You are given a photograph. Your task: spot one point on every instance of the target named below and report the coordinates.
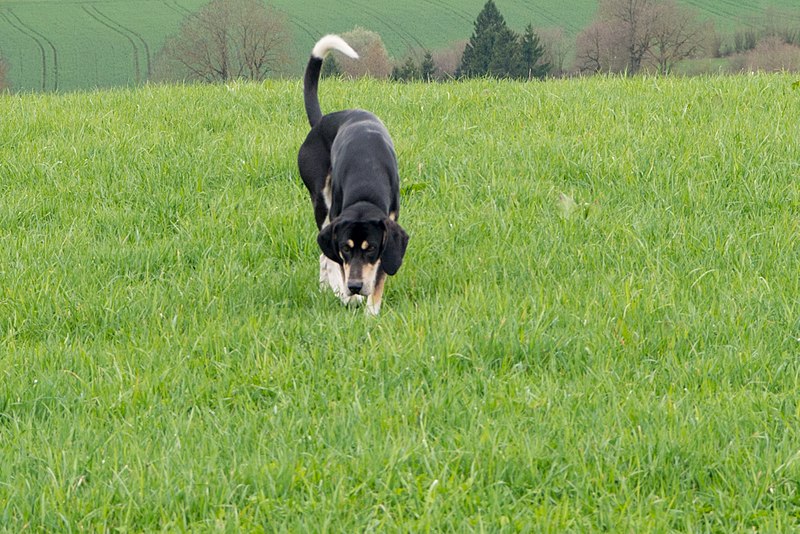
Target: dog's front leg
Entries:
(374, 300)
(324, 277)
(330, 273)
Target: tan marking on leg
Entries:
(393, 215)
(374, 299)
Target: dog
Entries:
(348, 164)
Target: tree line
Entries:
(248, 39)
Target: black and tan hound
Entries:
(349, 166)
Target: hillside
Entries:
(69, 44)
(596, 326)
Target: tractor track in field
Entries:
(715, 10)
(405, 36)
(176, 7)
(305, 29)
(173, 7)
(40, 41)
(445, 6)
(118, 28)
(136, 35)
(49, 44)
(183, 8)
(554, 21)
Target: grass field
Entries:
(71, 45)
(597, 325)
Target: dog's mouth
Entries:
(357, 288)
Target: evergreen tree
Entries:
(478, 53)
(506, 60)
(531, 52)
(406, 72)
(427, 68)
(493, 49)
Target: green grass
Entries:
(68, 45)
(597, 325)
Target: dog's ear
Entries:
(327, 242)
(395, 241)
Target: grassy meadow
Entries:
(597, 325)
(67, 45)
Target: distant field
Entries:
(68, 44)
(597, 326)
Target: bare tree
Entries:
(373, 58)
(225, 40)
(599, 48)
(772, 54)
(634, 23)
(677, 34)
(629, 35)
(448, 59)
(556, 49)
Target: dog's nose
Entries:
(354, 287)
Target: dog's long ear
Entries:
(327, 242)
(395, 241)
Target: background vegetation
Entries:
(68, 45)
(596, 327)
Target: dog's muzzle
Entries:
(355, 286)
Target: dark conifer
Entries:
(531, 52)
(427, 68)
(479, 53)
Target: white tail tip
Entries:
(332, 42)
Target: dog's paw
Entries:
(373, 308)
(351, 300)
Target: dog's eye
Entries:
(371, 249)
(346, 249)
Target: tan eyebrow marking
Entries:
(350, 243)
(364, 245)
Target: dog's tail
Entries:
(311, 80)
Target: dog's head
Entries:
(362, 248)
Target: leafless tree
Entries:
(629, 35)
(599, 48)
(633, 21)
(448, 59)
(772, 54)
(677, 33)
(373, 58)
(556, 49)
(225, 40)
